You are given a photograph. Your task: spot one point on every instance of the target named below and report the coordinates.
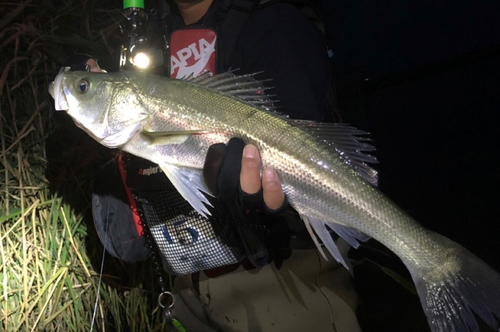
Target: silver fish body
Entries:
(323, 172)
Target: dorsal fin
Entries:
(243, 87)
(348, 142)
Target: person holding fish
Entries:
(232, 248)
(279, 42)
(266, 283)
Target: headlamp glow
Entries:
(141, 60)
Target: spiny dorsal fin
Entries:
(348, 142)
(345, 140)
(243, 87)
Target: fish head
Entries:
(106, 106)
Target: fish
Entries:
(324, 170)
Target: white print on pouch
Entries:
(183, 59)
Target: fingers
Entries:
(250, 180)
(94, 67)
(272, 191)
(250, 170)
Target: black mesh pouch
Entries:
(187, 241)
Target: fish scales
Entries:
(315, 189)
(241, 121)
(323, 192)
(173, 123)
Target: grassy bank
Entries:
(50, 258)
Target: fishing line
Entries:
(98, 288)
(318, 255)
(100, 273)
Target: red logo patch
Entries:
(192, 52)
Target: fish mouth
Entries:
(57, 92)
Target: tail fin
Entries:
(452, 293)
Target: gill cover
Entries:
(103, 105)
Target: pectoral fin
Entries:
(170, 137)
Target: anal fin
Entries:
(350, 235)
(324, 235)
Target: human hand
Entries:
(94, 66)
(251, 181)
(84, 62)
(233, 172)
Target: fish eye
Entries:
(83, 86)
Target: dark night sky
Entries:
(431, 103)
(390, 36)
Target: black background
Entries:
(424, 79)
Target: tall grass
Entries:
(50, 259)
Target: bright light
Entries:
(141, 60)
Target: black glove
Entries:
(221, 173)
(78, 62)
